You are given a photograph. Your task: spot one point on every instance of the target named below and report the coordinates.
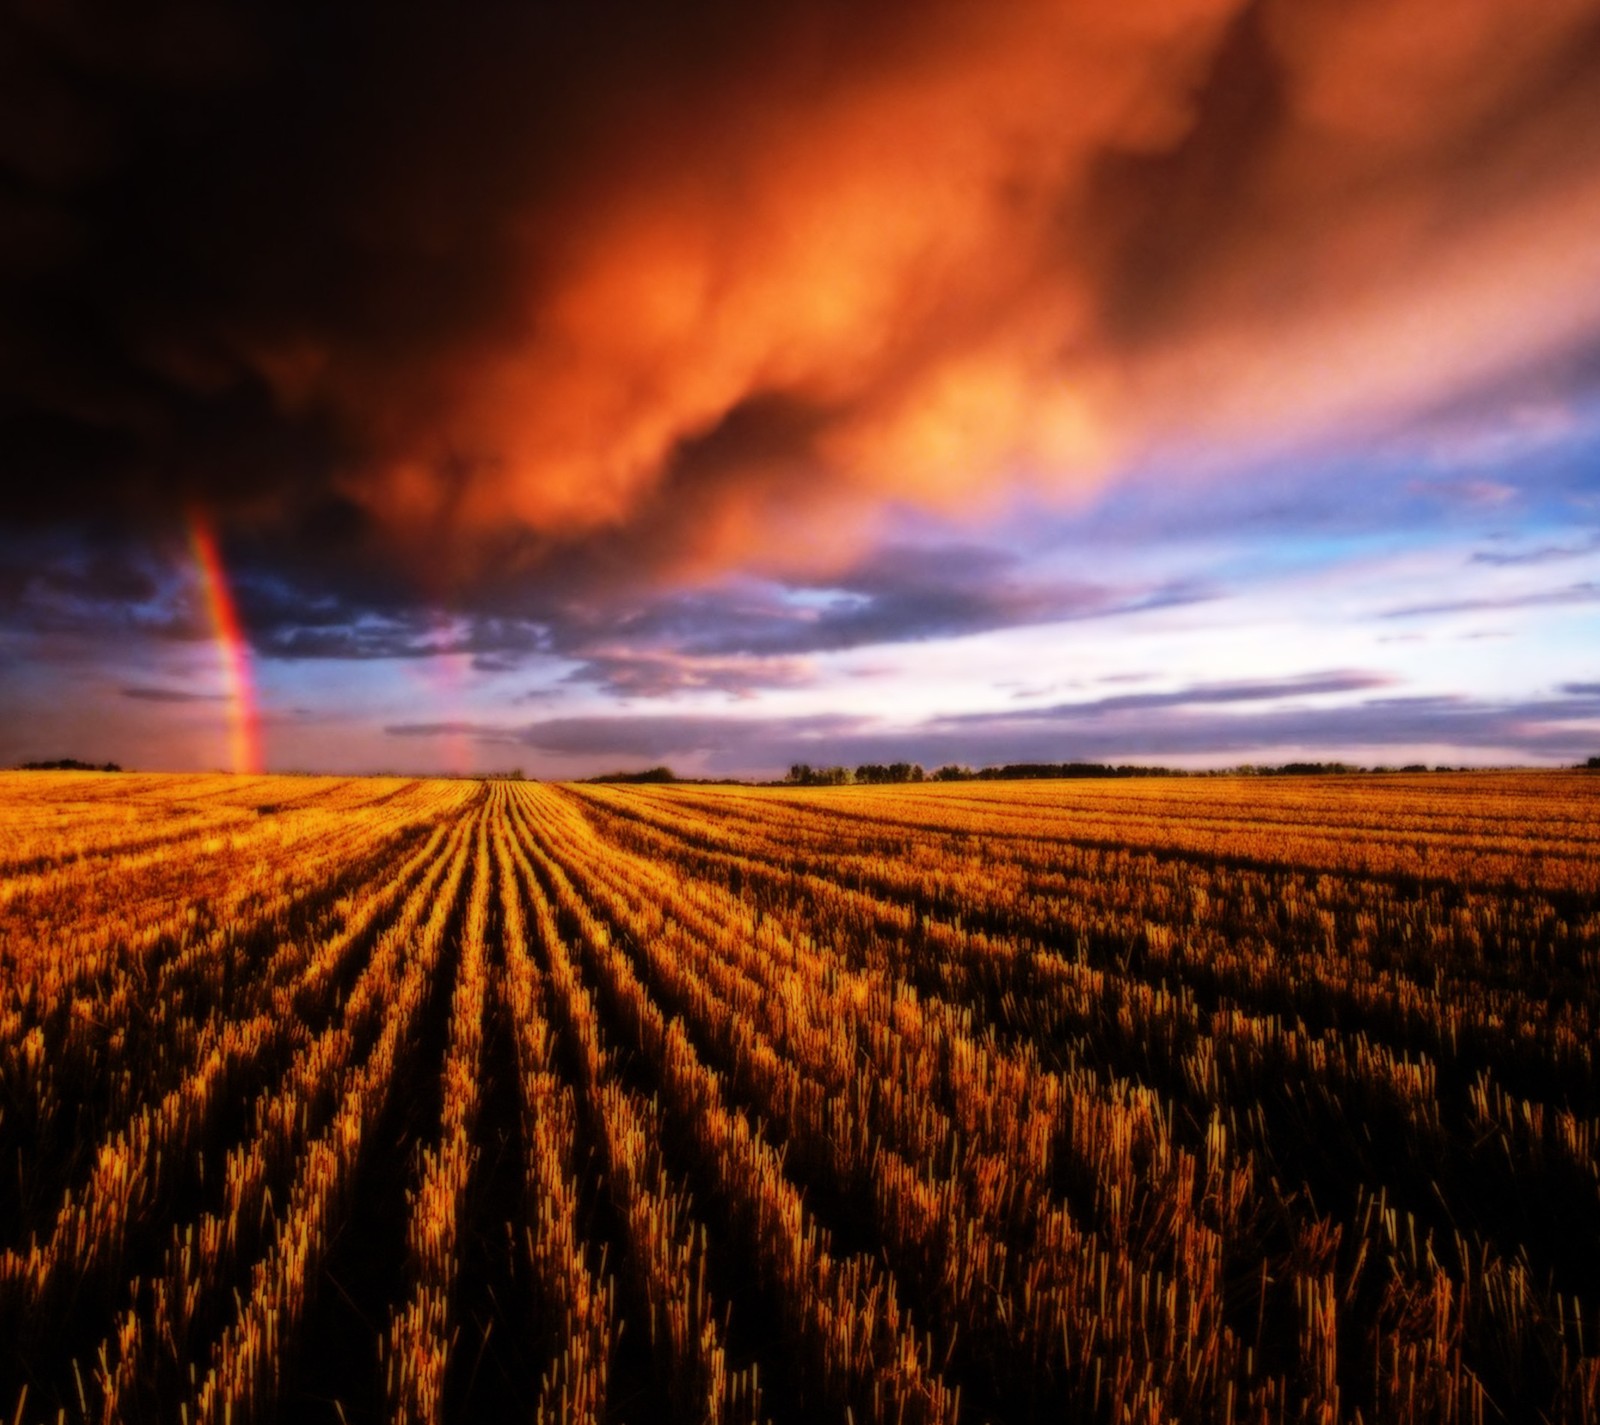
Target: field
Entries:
(1222, 1100)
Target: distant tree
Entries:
(70, 764)
(877, 774)
(652, 774)
(803, 774)
(1593, 764)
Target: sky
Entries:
(572, 387)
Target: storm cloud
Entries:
(607, 354)
(709, 288)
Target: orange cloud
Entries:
(890, 243)
(719, 289)
(1418, 222)
(913, 243)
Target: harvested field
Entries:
(1210, 1099)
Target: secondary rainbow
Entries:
(233, 649)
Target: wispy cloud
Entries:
(750, 636)
(171, 695)
(1542, 554)
(652, 735)
(1208, 694)
(1587, 592)
(482, 731)
(1208, 722)
(647, 673)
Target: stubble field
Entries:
(1235, 1099)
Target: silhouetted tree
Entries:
(652, 774)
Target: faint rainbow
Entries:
(233, 650)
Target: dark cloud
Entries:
(495, 645)
(736, 636)
(92, 582)
(624, 343)
(905, 593)
(740, 637)
(356, 610)
(657, 293)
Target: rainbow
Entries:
(233, 650)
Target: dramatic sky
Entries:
(585, 385)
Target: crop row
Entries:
(450, 1100)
